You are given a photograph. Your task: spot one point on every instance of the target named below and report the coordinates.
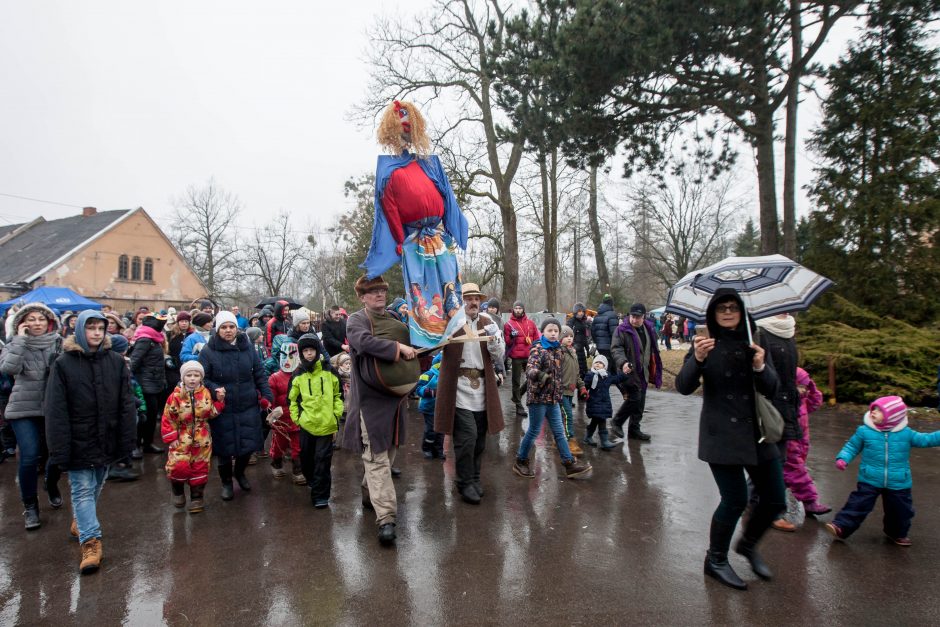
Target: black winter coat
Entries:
(728, 430)
(237, 368)
(148, 363)
(334, 335)
(782, 352)
(175, 347)
(581, 331)
(91, 417)
(604, 326)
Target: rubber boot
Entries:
(748, 549)
(606, 444)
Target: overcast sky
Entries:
(122, 104)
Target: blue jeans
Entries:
(568, 409)
(31, 439)
(86, 488)
(537, 413)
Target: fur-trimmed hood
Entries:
(29, 308)
(70, 344)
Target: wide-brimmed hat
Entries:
(472, 289)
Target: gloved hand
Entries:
(544, 378)
(265, 404)
(840, 464)
(398, 250)
(513, 333)
(584, 394)
(491, 329)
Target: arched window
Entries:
(135, 269)
(148, 269)
(123, 263)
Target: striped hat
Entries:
(894, 410)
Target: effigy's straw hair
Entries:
(389, 133)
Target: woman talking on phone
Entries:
(729, 367)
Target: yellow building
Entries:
(118, 258)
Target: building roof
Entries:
(28, 253)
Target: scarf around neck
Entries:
(781, 327)
(598, 375)
(548, 344)
(150, 334)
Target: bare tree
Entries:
(683, 224)
(452, 52)
(603, 276)
(202, 232)
(275, 253)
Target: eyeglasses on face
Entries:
(729, 308)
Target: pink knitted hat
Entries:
(893, 408)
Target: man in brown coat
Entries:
(468, 403)
(376, 419)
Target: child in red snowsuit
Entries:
(284, 433)
(185, 427)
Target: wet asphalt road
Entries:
(624, 546)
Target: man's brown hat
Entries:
(471, 289)
(364, 285)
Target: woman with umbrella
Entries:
(730, 367)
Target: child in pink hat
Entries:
(884, 441)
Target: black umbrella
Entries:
(272, 300)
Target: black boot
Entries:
(634, 433)
(387, 534)
(748, 549)
(717, 566)
(52, 488)
(31, 514)
(241, 463)
(225, 474)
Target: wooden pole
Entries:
(832, 380)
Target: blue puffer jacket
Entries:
(598, 402)
(604, 326)
(427, 387)
(886, 454)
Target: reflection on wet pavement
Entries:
(624, 545)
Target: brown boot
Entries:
(73, 529)
(574, 447)
(521, 468)
(92, 553)
(179, 494)
(196, 503)
(574, 468)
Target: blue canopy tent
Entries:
(58, 299)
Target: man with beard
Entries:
(468, 403)
(636, 353)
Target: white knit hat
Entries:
(300, 315)
(189, 366)
(225, 316)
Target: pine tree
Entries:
(877, 231)
(747, 243)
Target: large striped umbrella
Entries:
(769, 285)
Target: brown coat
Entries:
(447, 386)
(383, 414)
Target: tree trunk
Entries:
(789, 154)
(766, 184)
(510, 246)
(602, 275)
(551, 245)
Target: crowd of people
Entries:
(84, 394)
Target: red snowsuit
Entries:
(185, 427)
(284, 432)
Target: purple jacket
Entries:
(624, 351)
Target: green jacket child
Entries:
(316, 407)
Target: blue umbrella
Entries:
(769, 285)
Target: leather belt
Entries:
(473, 374)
